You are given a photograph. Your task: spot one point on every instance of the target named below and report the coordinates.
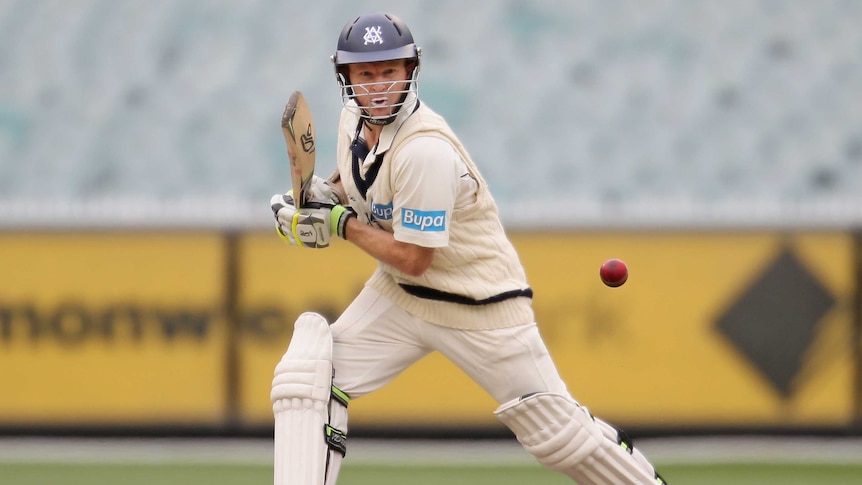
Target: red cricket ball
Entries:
(614, 272)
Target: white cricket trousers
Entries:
(375, 340)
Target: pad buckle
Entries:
(335, 439)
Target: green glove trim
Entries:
(338, 217)
(284, 237)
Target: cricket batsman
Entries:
(407, 193)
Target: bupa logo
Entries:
(382, 212)
(433, 221)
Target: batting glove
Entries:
(310, 226)
(325, 191)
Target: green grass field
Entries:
(97, 474)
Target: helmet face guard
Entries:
(376, 37)
(406, 89)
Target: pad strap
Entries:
(336, 438)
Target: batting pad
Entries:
(300, 399)
(564, 437)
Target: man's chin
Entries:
(379, 113)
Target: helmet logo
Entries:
(372, 35)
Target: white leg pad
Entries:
(301, 391)
(564, 437)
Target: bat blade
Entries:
(297, 126)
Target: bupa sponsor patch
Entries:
(429, 221)
(382, 212)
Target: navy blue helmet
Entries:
(376, 37)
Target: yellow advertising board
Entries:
(711, 329)
(111, 328)
(749, 329)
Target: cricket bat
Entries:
(298, 129)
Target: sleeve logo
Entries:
(382, 212)
(430, 221)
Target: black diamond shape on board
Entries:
(774, 321)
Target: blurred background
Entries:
(715, 146)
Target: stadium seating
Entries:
(591, 104)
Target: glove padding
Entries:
(326, 190)
(311, 226)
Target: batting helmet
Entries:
(375, 37)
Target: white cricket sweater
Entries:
(479, 261)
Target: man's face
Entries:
(378, 85)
